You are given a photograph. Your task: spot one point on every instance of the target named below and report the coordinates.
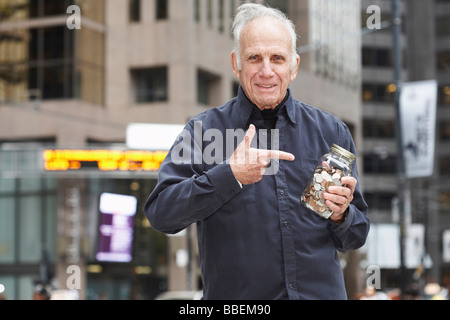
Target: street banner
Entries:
(446, 246)
(418, 127)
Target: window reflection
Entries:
(51, 62)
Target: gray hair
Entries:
(250, 11)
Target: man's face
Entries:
(266, 53)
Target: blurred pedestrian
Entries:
(41, 291)
(256, 240)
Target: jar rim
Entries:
(343, 152)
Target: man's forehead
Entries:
(262, 24)
(265, 30)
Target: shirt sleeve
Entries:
(352, 233)
(186, 193)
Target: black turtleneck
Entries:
(271, 115)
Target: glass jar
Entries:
(334, 165)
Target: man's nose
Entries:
(266, 69)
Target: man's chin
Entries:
(268, 104)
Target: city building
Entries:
(74, 75)
(425, 43)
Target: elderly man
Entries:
(256, 240)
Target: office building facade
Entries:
(425, 55)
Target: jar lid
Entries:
(343, 152)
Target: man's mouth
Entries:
(266, 86)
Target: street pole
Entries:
(398, 66)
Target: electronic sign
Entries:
(115, 241)
(102, 160)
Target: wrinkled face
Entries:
(266, 65)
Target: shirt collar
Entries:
(247, 108)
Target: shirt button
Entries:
(282, 192)
(291, 286)
(264, 133)
(285, 223)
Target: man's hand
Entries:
(338, 199)
(249, 164)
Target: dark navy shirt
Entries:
(258, 241)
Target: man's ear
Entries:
(236, 70)
(295, 71)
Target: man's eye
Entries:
(254, 58)
(279, 58)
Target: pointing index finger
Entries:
(280, 155)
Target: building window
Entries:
(444, 165)
(444, 200)
(208, 86)
(443, 61)
(53, 62)
(50, 68)
(444, 131)
(150, 84)
(54, 7)
(376, 57)
(379, 200)
(378, 128)
(383, 163)
(444, 96)
(13, 10)
(378, 92)
(134, 10)
(41, 8)
(162, 9)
